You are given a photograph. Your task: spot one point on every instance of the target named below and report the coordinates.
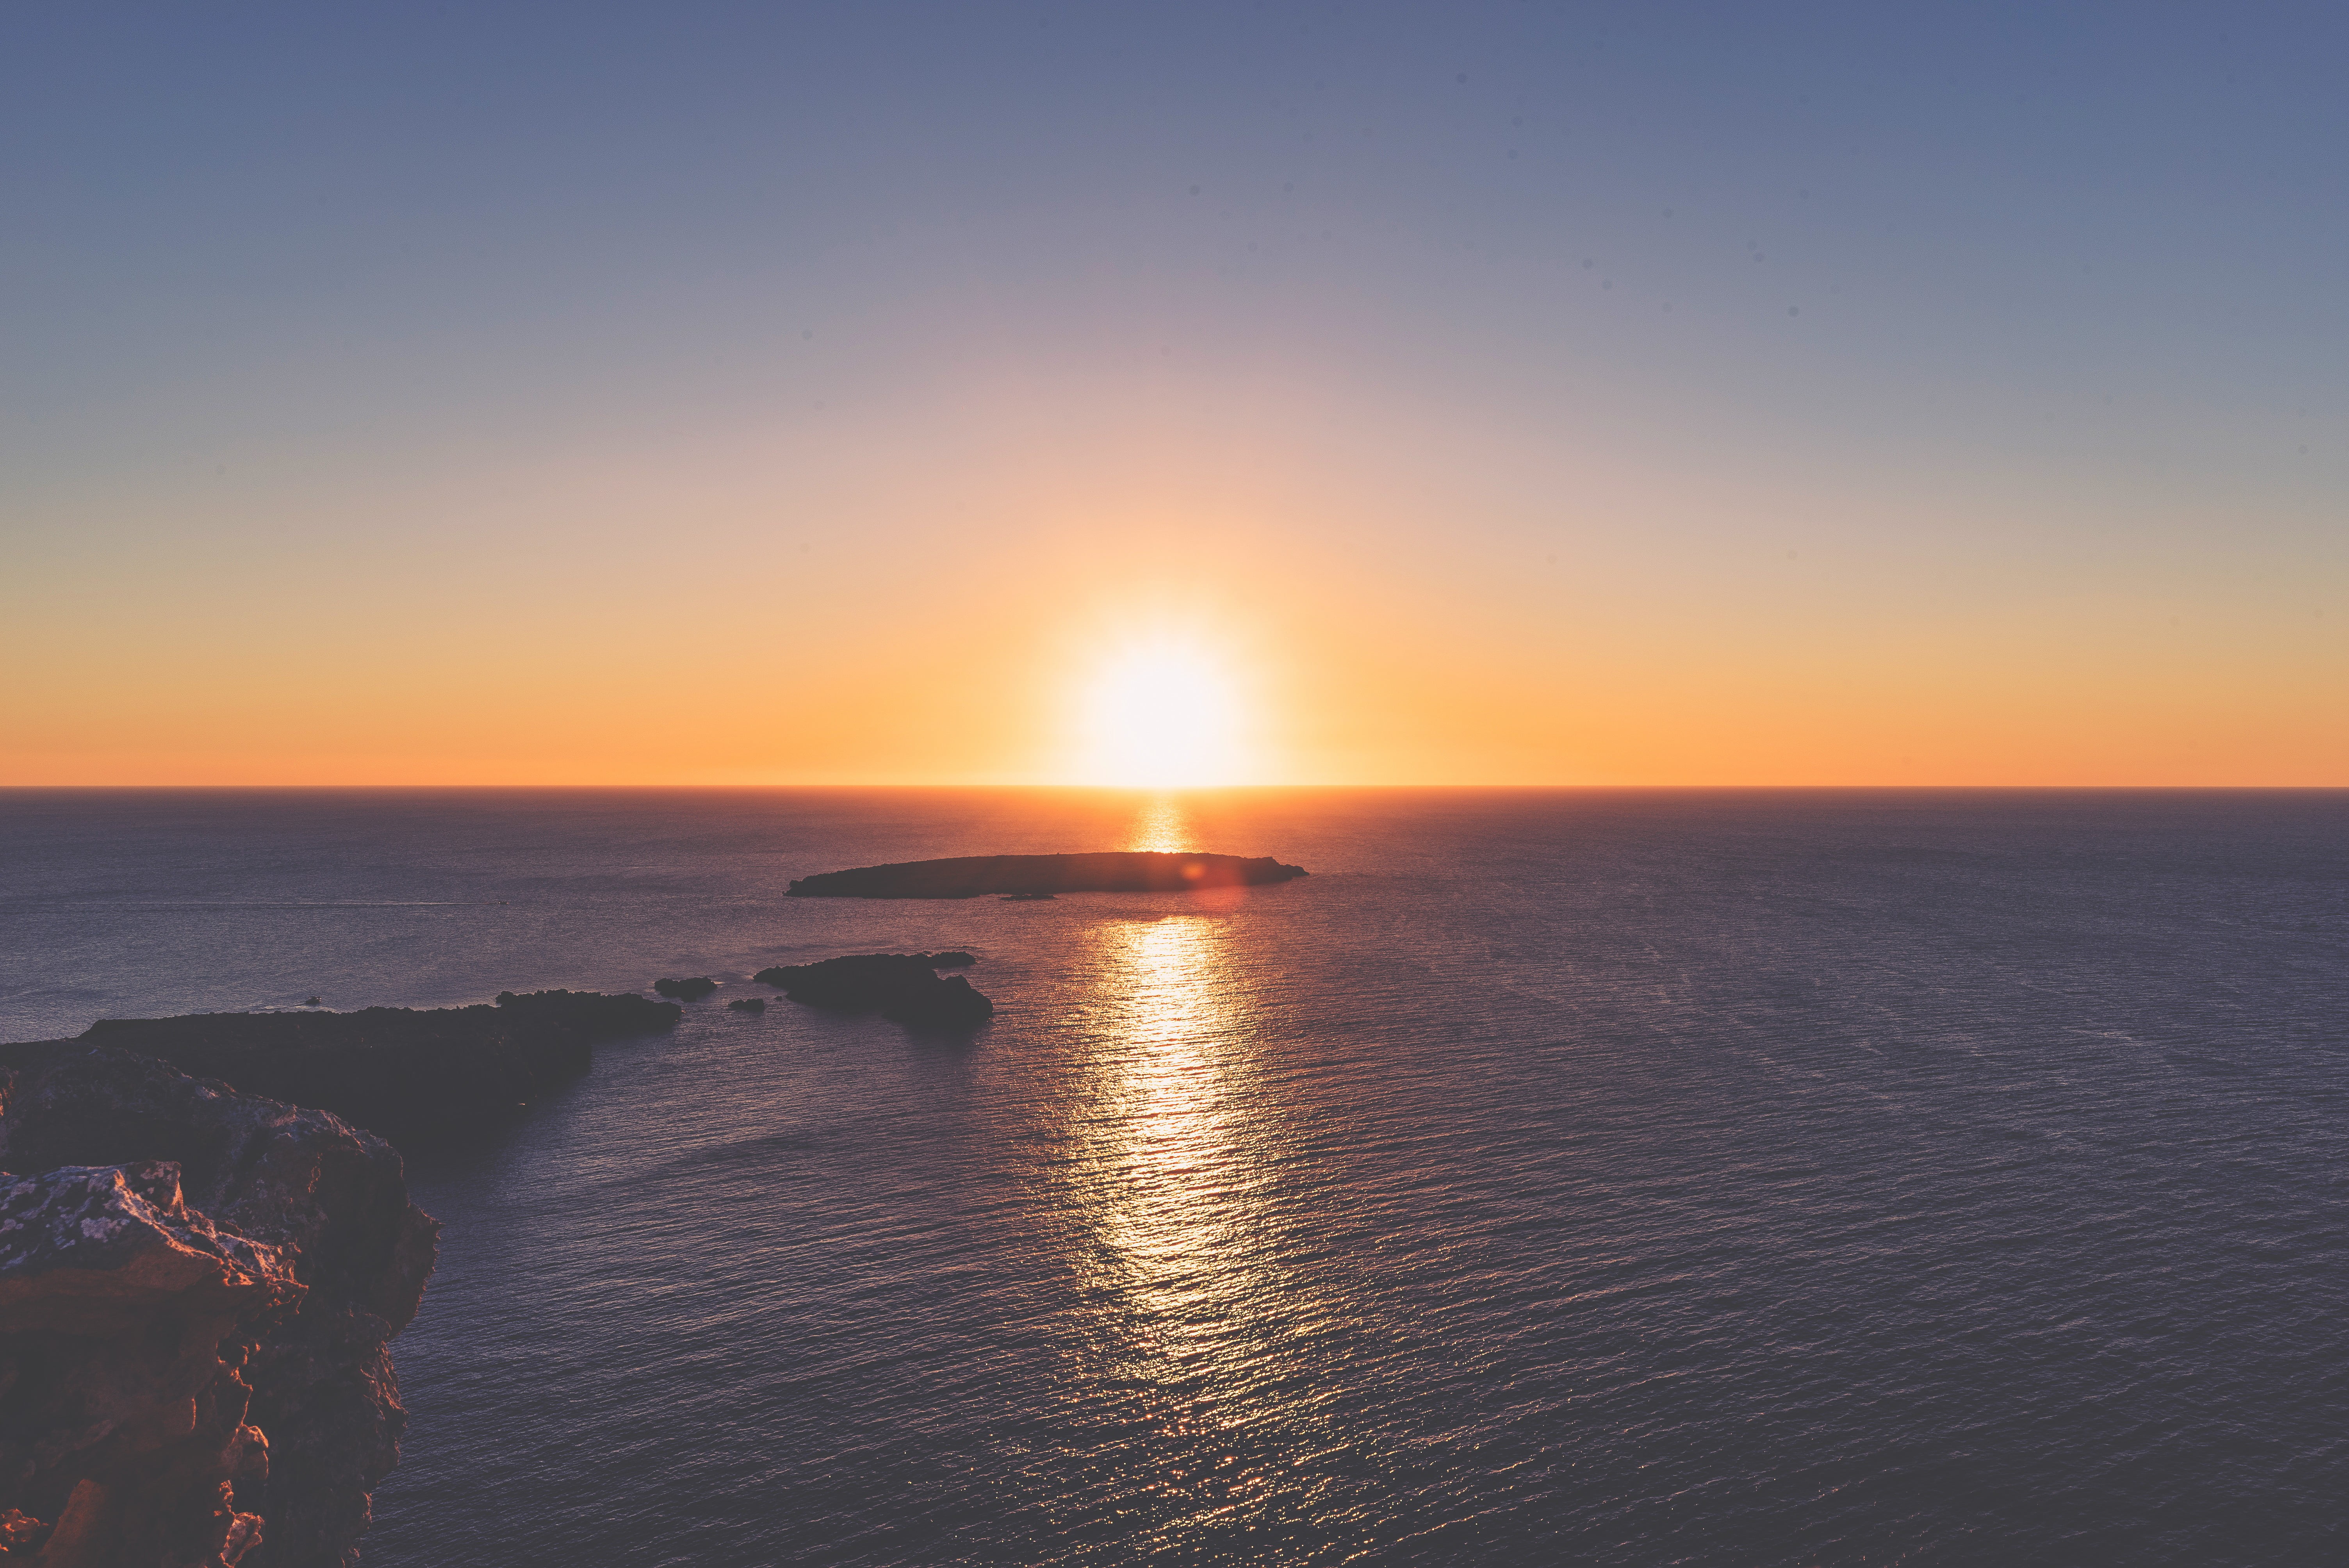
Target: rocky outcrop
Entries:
(692, 990)
(126, 1322)
(405, 1073)
(902, 986)
(970, 876)
(747, 1005)
(197, 1292)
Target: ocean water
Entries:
(1612, 1178)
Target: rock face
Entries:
(904, 986)
(197, 1290)
(126, 1320)
(970, 876)
(405, 1073)
(692, 990)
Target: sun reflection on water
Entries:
(1173, 1145)
(1196, 1318)
(1160, 826)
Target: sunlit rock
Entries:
(197, 1292)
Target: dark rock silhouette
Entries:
(969, 876)
(405, 1073)
(197, 1289)
(747, 1005)
(904, 986)
(692, 990)
(1029, 897)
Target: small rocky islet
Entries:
(904, 987)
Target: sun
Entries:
(1162, 716)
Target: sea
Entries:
(1593, 1177)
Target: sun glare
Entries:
(1162, 716)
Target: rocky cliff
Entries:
(197, 1288)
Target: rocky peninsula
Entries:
(405, 1073)
(206, 1253)
(974, 876)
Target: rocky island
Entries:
(974, 876)
(904, 987)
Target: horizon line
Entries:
(1188, 789)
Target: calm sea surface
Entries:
(1733, 1179)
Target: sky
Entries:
(1475, 394)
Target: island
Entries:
(975, 876)
(902, 986)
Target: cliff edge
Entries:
(197, 1289)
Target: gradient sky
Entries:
(1513, 393)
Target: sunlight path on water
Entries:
(1171, 1208)
(1161, 826)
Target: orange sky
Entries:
(1399, 593)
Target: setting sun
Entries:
(1161, 714)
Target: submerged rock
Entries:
(406, 1073)
(904, 986)
(692, 990)
(969, 876)
(197, 1290)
